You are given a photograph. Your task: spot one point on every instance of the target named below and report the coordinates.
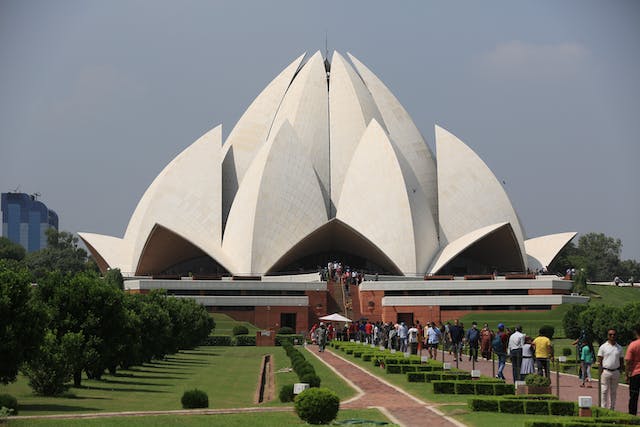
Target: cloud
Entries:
(519, 60)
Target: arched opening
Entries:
(166, 252)
(335, 241)
(497, 251)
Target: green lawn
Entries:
(225, 324)
(613, 295)
(278, 419)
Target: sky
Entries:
(97, 97)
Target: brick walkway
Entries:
(402, 408)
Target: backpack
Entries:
(496, 344)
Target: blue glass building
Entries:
(25, 220)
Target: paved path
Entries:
(402, 408)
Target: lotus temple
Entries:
(326, 165)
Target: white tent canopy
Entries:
(335, 317)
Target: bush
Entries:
(195, 398)
(563, 408)
(393, 369)
(485, 389)
(285, 330)
(532, 397)
(293, 339)
(501, 389)
(484, 405)
(535, 380)
(566, 351)
(416, 377)
(537, 407)
(244, 341)
(9, 402)
(312, 379)
(512, 406)
(444, 387)
(218, 340)
(240, 330)
(286, 393)
(317, 405)
(465, 387)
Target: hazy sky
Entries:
(96, 97)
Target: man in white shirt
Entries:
(611, 361)
(413, 339)
(516, 342)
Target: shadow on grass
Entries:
(109, 381)
(120, 389)
(200, 353)
(173, 376)
(51, 407)
(188, 361)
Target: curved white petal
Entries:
(404, 133)
(469, 195)
(185, 197)
(454, 248)
(542, 250)
(251, 132)
(306, 107)
(109, 252)
(279, 203)
(351, 108)
(379, 202)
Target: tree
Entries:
(61, 254)
(22, 320)
(113, 277)
(602, 254)
(11, 250)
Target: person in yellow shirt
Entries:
(543, 352)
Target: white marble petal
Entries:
(375, 201)
(542, 250)
(404, 133)
(351, 108)
(469, 195)
(279, 203)
(115, 252)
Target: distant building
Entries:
(25, 220)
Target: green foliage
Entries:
(547, 331)
(52, 367)
(502, 389)
(293, 339)
(580, 281)
(416, 377)
(312, 379)
(535, 380)
(566, 351)
(562, 408)
(444, 387)
(22, 320)
(484, 405)
(286, 330)
(393, 369)
(317, 405)
(220, 340)
(192, 399)
(286, 393)
(244, 340)
(465, 387)
(11, 250)
(536, 407)
(113, 277)
(10, 402)
(62, 254)
(571, 321)
(512, 406)
(596, 319)
(240, 330)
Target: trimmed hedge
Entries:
(240, 330)
(286, 393)
(244, 340)
(484, 405)
(587, 422)
(193, 399)
(218, 340)
(522, 405)
(510, 406)
(292, 339)
(478, 387)
(317, 405)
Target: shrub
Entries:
(9, 402)
(240, 330)
(563, 408)
(485, 388)
(285, 330)
(536, 407)
(444, 387)
(367, 357)
(533, 397)
(312, 379)
(286, 393)
(317, 405)
(416, 377)
(409, 368)
(393, 369)
(195, 398)
(535, 380)
(219, 340)
(501, 389)
(484, 405)
(293, 339)
(566, 351)
(465, 387)
(512, 406)
(245, 341)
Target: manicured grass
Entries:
(277, 419)
(494, 419)
(613, 295)
(225, 324)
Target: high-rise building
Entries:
(25, 220)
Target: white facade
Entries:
(324, 143)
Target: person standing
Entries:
(587, 357)
(611, 363)
(486, 335)
(633, 371)
(527, 358)
(499, 345)
(456, 333)
(321, 334)
(413, 339)
(473, 339)
(433, 339)
(543, 352)
(403, 336)
(516, 342)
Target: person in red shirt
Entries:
(632, 363)
(368, 330)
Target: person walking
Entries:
(486, 335)
(516, 342)
(543, 353)
(499, 346)
(612, 363)
(456, 333)
(321, 334)
(433, 339)
(587, 357)
(413, 339)
(633, 371)
(403, 336)
(473, 339)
